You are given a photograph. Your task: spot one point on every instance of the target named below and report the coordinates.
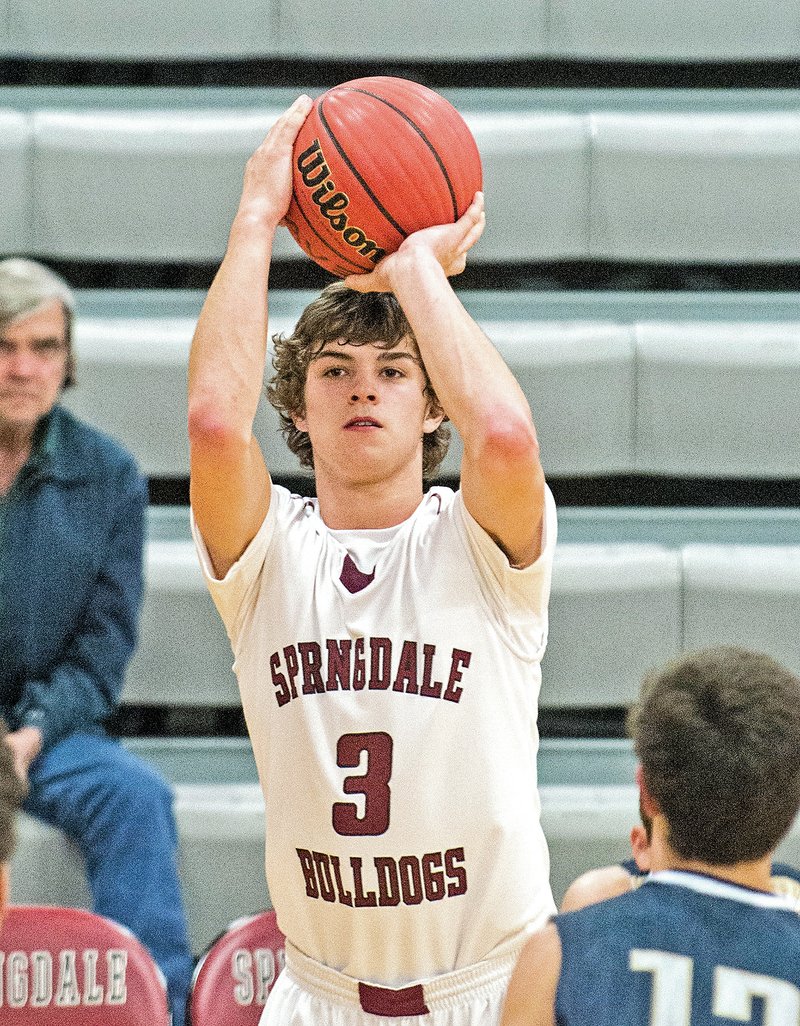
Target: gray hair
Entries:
(26, 285)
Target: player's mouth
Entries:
(362, 423)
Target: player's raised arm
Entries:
(230, 485)
(501, 476)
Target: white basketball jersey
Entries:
(390, 681)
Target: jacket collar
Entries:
(51, 458)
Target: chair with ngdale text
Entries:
(236, 973)
(68, 967)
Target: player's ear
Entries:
(434, 415)
(432, 422)
(640, 848)
(299, 421)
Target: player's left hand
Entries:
(448, 244)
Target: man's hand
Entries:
(267, 189)
(25, 743)
(447, 244)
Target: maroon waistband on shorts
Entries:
(393, 1003)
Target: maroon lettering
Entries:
(384, 881)
(459, 659)
(322, 864)
(345, 896)
(359, 669)
(456, 874)
(429, 688)
(388, 882)
(380, 654)
(410, 880)
(375, 664)
(433, 876)
(406, 678)
(307, 866)
(311, 665)
(292, 667)
(339, 664)
(362, 899)
(282, 695)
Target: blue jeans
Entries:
(118, 810)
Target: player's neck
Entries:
(755, 875)
(364, 505)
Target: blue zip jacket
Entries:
(71, 580)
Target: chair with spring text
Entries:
(69, 967)
(236, 973)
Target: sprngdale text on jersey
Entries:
(377, 664)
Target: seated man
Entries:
(72, 506)
(611, 881)
(717, 735)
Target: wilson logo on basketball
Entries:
(316, 177)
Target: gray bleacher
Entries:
(423, 29)
(696, 176)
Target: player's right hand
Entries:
(447, 244)
(267, 189)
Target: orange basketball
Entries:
(377, 159)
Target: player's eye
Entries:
(392, 372)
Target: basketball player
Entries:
(611, 881)
(717, 734)
(387, 640)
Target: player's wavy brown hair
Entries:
(717, 733)
(359, 318)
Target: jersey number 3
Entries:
(373, 783)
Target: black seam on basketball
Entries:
(327, 244)
(356, 172)
(424, 138)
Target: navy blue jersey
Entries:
(681, 950)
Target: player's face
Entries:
(33, 361)
(366, 409)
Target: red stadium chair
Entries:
(68, 967)
(236, 973)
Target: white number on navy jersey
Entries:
(734, 990)
(671, 1003)
(373, 784)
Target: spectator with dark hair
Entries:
(717, 734)
(72, 505)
